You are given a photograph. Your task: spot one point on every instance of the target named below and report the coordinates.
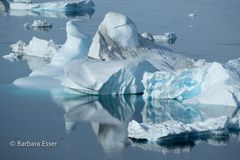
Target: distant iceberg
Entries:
(39, 24)
(36, 47)
(70, 5)
(168, 37)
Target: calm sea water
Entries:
(95, 127)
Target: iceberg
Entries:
(125, 56)
(171, 130)
(168, 129)
(36, 47)
(169, 121)
(70, 5)
(76, 46)
(118, 60)
(192, 15)
(75, 12)
(168, 37)
(41, 25)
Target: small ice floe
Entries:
(36, 48)
(40, 25)
(168, 37)
(193, 14)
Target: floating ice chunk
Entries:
(36, 47)
(70, 5)
(168, 37)
(192, 15)
(165, 120)
(192, 86)
(41, 25)
(156, 132)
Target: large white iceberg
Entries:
(128, 56)
(70, 5)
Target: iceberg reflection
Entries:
(110, 116)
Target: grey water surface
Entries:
(95, 128)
